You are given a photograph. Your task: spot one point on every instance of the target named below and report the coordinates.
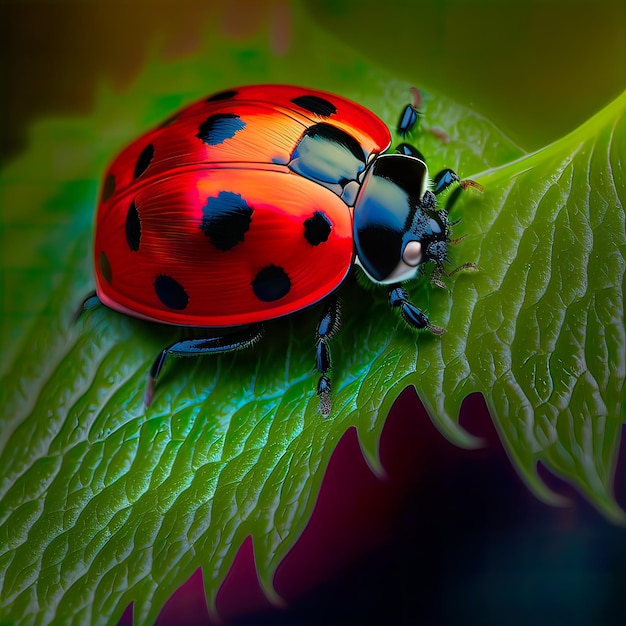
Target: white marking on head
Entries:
(412, 254)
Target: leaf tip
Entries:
(601, 498)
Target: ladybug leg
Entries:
(414, 317)
(326, 328)
(90, 302)
(408, 120)
(410, 114)
(408, 150)
(200, 347)
(445, 179)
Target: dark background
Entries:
(451, 536)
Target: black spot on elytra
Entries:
(331, 133)
(222, 95)
(105, 267)
(317, 229)
(226, 219)
(108, 189)
(133, 227)
(170, 292)
(271, 283)
(145, 158)
(315, 104)
(218, 128)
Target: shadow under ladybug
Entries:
(255, 203)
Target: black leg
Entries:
(414, 317)
(90, 302)
(408, 120)
(408, 150)
(410, 114)
(442, 180)
(328, 325)
(445, 179)
(200, 347)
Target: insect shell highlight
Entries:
(254, 203)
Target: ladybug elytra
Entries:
(255, 203)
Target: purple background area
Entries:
(451, 536)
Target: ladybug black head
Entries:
(396, 224)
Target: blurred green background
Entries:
(538, 68)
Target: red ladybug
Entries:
(255, 203)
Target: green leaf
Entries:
(105, 503)
(540, 331)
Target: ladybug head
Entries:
(396, 224)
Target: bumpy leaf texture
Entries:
(540, 331)
(105, 503)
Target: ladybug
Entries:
(255, 203)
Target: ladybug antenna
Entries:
(436, 278)
(453, 242)
(469, 266)
(467, 182)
